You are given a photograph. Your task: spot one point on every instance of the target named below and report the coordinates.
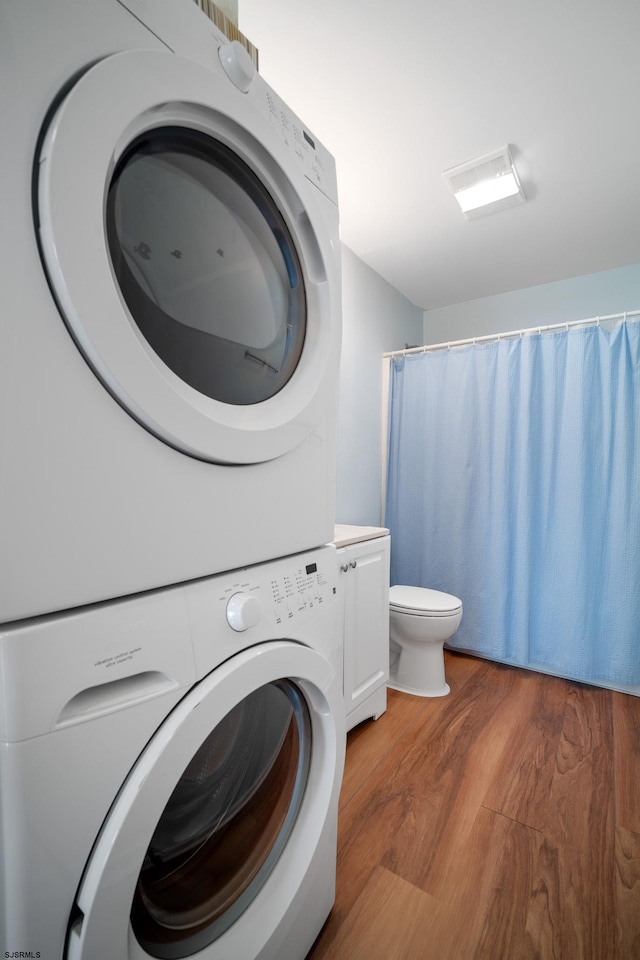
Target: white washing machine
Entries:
(169, 307)
(169, 770)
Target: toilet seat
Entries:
(423, 602)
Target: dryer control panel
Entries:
(318, 164)
(190, 33)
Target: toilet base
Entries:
(442, 692)
(417, 666)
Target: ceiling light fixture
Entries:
(485, 185)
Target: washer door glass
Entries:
(225, 824)
(206, 265)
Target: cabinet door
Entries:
(366, 590)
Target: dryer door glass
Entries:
(226, 823)
(206, 265)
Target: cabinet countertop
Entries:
(346, 534)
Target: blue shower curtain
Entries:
(514, 483)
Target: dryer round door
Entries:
(218, 822)
(189, 257)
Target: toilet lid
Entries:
(423, 600)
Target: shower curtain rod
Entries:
(447, 345)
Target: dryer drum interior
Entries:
(206, 265)
(225, 824)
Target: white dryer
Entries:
(169, 307)
(169, 770)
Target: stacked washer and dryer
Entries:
(172, 723)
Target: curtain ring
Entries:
(597, 321)
(448, 345)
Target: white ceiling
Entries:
(399, 93)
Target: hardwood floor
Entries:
(499, 823)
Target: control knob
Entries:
(238, 65)
(243, 611)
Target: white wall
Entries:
(376, 318)
(579, 298)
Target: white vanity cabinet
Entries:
(363, 583)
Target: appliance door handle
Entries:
(106, 697)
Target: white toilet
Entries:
(420, 620)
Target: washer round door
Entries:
(189, 257)
(219, 821)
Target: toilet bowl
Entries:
(420, 620)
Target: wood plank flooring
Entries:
(499, 823)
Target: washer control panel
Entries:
(292, 598)
(95, 660)
(243, 611)
(279, 592)
(299, 590)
